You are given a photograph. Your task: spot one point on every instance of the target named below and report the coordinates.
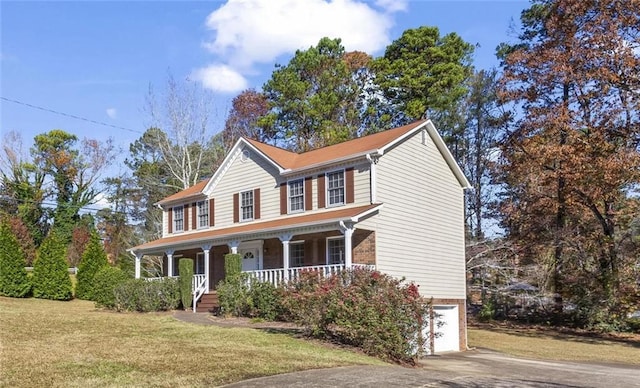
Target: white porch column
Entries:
(205, 249)
(138, 261)
(347, 231)
(233, 246)
(169, 263)
(285, 239)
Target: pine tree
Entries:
(93, 260)
(50, 274)
(14, 281)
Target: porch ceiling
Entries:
(252, 230)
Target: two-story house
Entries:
(392, 200)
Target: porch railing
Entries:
(277, 276)
(199, 287)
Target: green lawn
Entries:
(54, 344)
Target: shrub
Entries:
(362, 308)
(233, 295)
(186, 279)
(144, 296)
(50, 273)
(232, 265)
(14, 281)
(265, 301)
(104, 283)
(93, 260)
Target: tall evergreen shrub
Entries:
(93, 260)
(104, 283)
(50, 272)
(232, 265)
(186, 278)
(14, 281)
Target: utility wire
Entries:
(68, 115)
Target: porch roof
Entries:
(351, 214)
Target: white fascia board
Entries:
(402, 138)
(448, 157)
(231, 155)
(365, 213)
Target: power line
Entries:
(68, 115)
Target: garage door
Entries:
(447, 338)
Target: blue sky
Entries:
(96, 59)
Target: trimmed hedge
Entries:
(144, 296)
(14, 281)
(93, 260)
(50, 273)
(104, 283)
(232, 265)
(186, 279)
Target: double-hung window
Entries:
(335, 188)
(178, 219)
(335, 251)
(203, 214)
(246, 205)
(296, 196)
(296, 253)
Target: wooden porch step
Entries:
(208, 303)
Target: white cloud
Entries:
(251, 32)
(221, 78)
(112, 113)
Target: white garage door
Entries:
(447, 338)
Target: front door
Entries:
(251, 253)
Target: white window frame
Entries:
(175, 219)
(203, 214)
(327, 188)
(328, 258)
(289, 196)
(291, 245)
(241, 206)
(199, 270)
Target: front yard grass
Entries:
(54, 344)
(555, 344)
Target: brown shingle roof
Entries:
(254, 227)
(186, 193)
(291, 160)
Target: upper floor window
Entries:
(335, 188)
(178, 219)
(296, 253)
(203, 214)
(246, 205)
(335, 250)
(296, 196)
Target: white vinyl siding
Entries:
(242, 176)
(361, 184)
(203, 214)
(296, 195)
(420, 230)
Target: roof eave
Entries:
(347, 158)
(444, 150)
(336, 220)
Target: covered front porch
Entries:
(272, 251)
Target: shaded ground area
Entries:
(476, 368)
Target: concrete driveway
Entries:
(477, 368)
